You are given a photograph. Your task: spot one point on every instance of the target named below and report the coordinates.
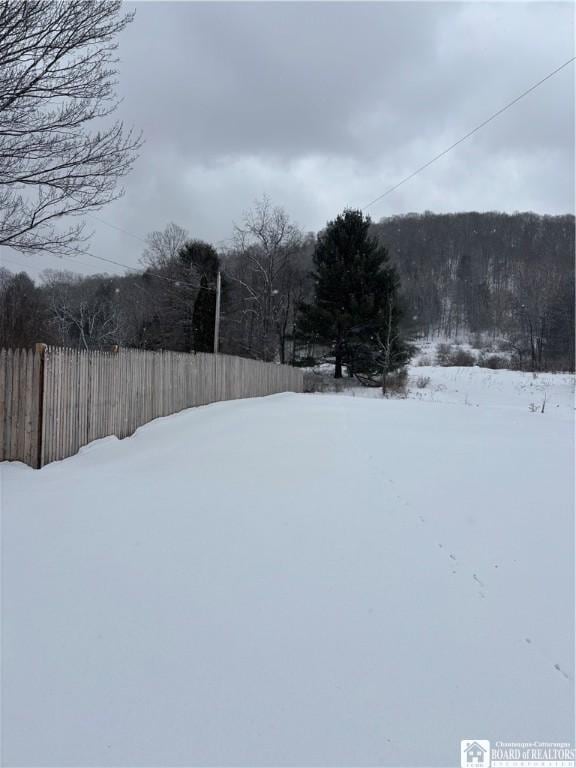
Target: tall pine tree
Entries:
(203, 318)
(202, 259)
(355, 308)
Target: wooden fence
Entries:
(54, 400)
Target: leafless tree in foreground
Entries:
(57, 76)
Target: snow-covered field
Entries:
(298, 580)
(482, 387)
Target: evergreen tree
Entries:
(203, 318)
(202, 260)
(200, 257)
(355, 308)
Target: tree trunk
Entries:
(532, 348)
(338, 359)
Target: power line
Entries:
(377, 199)
(11, 261)
(125, 266)
(137, 237)
(151, 274)
(24, 266)
(136, 269)
(470, 133)
(114, 226)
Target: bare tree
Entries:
(84, 312)
(265, 244)
(391, 350)
(163, 247)
(57, 76)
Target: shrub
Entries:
(446, 355)
(495, 362)
(324, 382)
(396, 383)
(305, 362)
(463, 358)
(443, 353)
(424, 361)
(312, 382)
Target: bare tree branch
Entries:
(57, 75)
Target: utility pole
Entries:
(217, 318)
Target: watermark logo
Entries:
(475, 753)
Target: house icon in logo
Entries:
(475, 753)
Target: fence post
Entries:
(40, 350)
(217, 316)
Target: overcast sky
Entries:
(325, 105)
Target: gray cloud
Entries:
(322, 105)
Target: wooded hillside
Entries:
(511, 276)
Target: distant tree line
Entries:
(510, 277)
(351, 294)
(170, 303)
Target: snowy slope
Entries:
(475, 386)
(294, 580)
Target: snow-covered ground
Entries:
(297, 580)
(482, 387)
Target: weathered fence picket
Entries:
(20, 407)
(54, 400)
